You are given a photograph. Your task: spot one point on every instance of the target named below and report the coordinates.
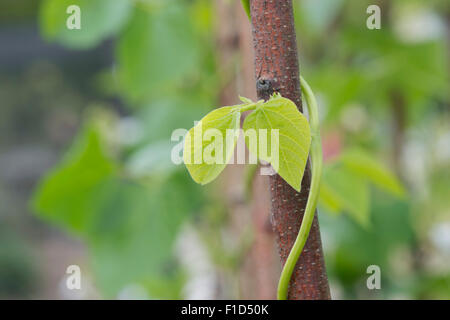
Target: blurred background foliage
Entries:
(86, 123)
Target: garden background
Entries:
(86, 118)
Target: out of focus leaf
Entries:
(129, 227)
(385, 61)
(339, 87)
(320, 13)
(342, 190)
(329, 198)
(136, 229)
(100, 19)
(155, 158)
(67, 195)
(157, 50)
(356, 248)
(160, 118)
(345, 184)
(368, 167)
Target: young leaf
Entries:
(245, 100)
(209, 145)
(288, 157)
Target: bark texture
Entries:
(276, 69)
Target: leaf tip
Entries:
(245, 100)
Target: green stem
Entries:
(246, 5)
(308, 217)
(248, 107)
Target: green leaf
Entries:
(246, 6)
(320, 13)
(342, 190)
(218, 150)
(156, 52)
(245, 100)
(160, 118)
(329, 199)
(129, 227)
(368, 167)
(66, 196)
(152, 159)
(135, 228)
(294, 138)
(100, 19)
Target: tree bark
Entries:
(276, 69)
